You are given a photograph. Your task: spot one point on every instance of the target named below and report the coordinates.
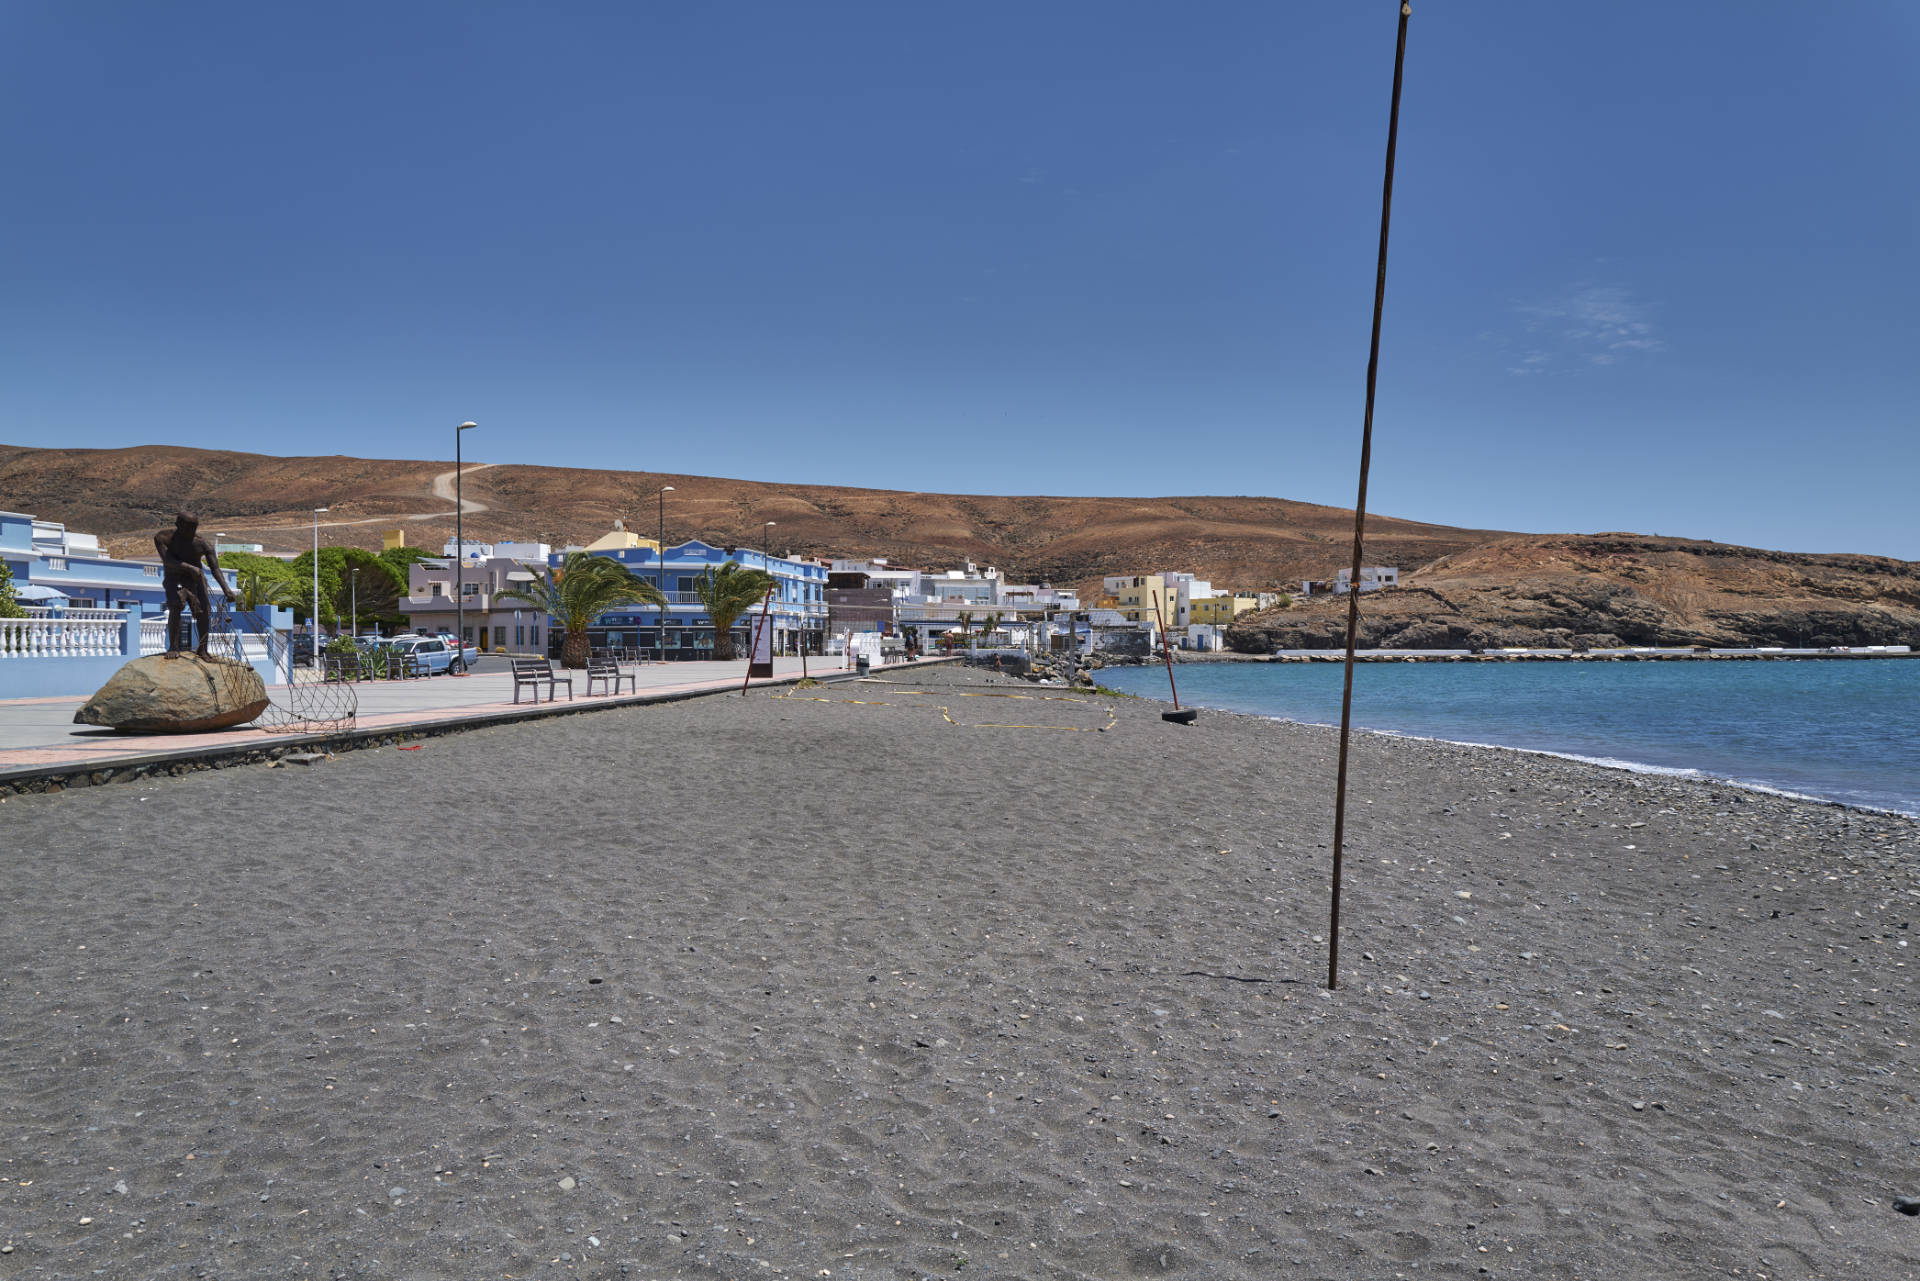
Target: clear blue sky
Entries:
(1654, 265)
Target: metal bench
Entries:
(608, 673)
(536, 672)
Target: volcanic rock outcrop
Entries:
(176, 694)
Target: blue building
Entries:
(88, 613)
(797, 613)
(54, 567)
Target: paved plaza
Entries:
(38, 735)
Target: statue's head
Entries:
(186, 522)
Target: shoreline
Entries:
(1685, 774)
(1516, 656)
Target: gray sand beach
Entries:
(907, 978)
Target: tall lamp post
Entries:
(314, 622)
(354, 626)
(662, 553)
(459, 556)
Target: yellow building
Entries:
(1222, 609)
(1132, 595)
(620, 538)
(392, 539)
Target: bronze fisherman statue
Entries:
(182, 551)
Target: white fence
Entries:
(100, 633)
(83, 633)
(248, 647)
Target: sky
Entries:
(1653, 266)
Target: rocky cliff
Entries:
(1598, 590)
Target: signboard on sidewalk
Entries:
(760, 661)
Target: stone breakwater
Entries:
(1069, 667)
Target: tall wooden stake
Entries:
(1166, 651)
(1360, 510)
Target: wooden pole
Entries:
(1166, 652)
(1360, 511)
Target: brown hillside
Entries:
(1598, 590)
(126, 494)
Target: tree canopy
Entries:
(9, 607)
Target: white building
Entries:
(929, 603)
(1372, 579)
(1135, 595)
(534, 553)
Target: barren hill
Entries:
(1598, 590)
(1464, 587)
(126, 494)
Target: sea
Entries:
(1835, 730)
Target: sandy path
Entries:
(873, 987)
(442, 488)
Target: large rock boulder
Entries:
(176, 694)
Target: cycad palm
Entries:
(584, 587)
(259, 589)
(729, 592)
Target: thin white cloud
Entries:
(1590, 325)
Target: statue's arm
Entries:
(160, 546)
(212, 558)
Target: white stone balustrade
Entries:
(93, 633)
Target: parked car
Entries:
(435, 654)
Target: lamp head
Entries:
(466, 426)
(666, 489)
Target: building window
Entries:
(439, 589)
(466, 635)
(56, 562)
(469, 589)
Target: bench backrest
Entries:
(533, 667)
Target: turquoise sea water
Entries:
(1844, 731)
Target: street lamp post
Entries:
(459, 557)
(354, 625)
(661, 552)
(313, 623)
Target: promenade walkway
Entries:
(39, 739)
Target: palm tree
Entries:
(583, 588)
(729, 592)
(260, 588)
(965, 618)
(992, 625)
